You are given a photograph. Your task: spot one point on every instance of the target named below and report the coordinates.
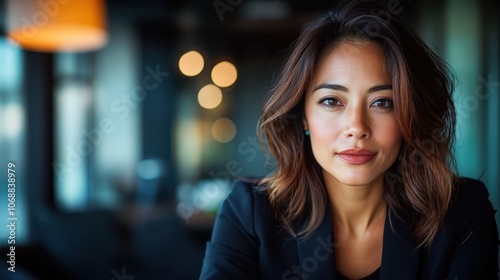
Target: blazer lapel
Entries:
(400, 259)
(316, 252)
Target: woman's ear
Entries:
(304, 124)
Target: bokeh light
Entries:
(223, 130)
(209, 96)
(191, 63)
(224, 74)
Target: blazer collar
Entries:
(316, 252)
(400, 259)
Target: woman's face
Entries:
(350, 116)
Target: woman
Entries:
(364, 186)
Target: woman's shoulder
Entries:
(247, 207)
(470, 199)
(467, 244)
(248, 184)
(469, 192)
(469, 184)
(248, 193)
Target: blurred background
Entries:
(126, 127)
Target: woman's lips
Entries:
(356, 156)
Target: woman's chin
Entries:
(355, 179)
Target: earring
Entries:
(306, 132)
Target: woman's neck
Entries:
(356, 208)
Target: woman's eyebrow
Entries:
(344, 89)
(331, 86)
(380, 87)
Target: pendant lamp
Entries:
(57, 25)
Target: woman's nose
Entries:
(356, 125)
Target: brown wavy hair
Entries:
(419, 184)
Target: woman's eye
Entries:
(330, 102)
(383, 104)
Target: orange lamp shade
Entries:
(57, 25)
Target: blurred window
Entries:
(12, 137)
(97, 130)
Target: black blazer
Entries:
(249, 243)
